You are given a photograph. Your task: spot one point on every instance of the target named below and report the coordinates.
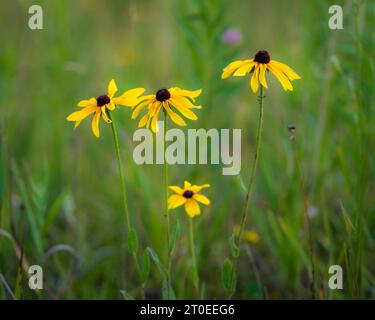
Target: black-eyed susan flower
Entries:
(258, 66)
(99, 106)
(189, 196)
(169, 99)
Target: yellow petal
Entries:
(88, 103)
(192, 94)
(82, 114)
(177, 189)
(233, 66)
(175, 201)
(196, 189)
(154, 123)
(186, 112)
(185, 102)
(112, 88)
(130, 98)
(245, 69)
(187, 185)
(143, 121)
(192, 208)
(262, 75)
(174, 116)
(133, 93)
(139, 108)
(77, 124)
(95, 124)
(111, 105)
(281, 77)
(254, 83)
(201, 198)
(104, 115)
(290, 73)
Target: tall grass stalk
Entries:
(306, 210)
(124, 196)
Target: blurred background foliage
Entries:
(60, 199)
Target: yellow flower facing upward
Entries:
(176, 98)
(99, 106)
(188, 196)
(258, 66)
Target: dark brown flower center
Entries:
(188, 194)
(262, 57)
(163, 95)
(103, 100)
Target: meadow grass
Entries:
(60, 201)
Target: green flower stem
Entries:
(169, 263)
(251, 181)
(254, 168)
(124, 197)
(192, 247)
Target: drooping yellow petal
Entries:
(289, 72)
(192, 208)
(95, 124)
(254, 82)
(262, 75)
(233, 66)
(82, 114)
(177, 189)
(105, 116)
(112, 88)
(88, 103)
(77, 124)
(245, 69)
(186, 112)
(281, 77)
(175, 201)
(186, 102)
(174, 116)
(143, 121)
(139, 108)
(196, 189)
(201, 198)
(154, 123)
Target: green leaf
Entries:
(126, 295)
(233, 246)
(229, 277)
(157, 262)
(226, 275)
(194, 276)
(145, 266)
(172, 295)
(132, 241)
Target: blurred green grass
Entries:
(59, 186)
